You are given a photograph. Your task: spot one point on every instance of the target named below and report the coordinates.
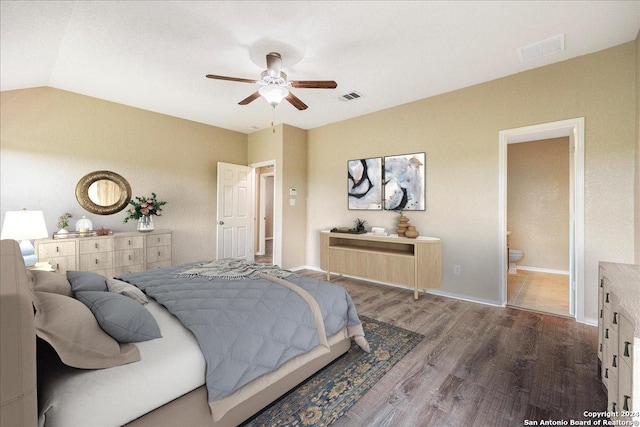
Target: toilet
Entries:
(515, 256)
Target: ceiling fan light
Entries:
(273, 94)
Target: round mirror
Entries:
(103, 192)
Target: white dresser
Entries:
(110, 256)
(619, 338)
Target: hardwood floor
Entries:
(478, 365)
(267, 258)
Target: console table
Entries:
(414, 263)
(111, 255)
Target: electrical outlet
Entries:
(457, 269)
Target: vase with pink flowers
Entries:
(143, 209)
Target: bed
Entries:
(37, 388)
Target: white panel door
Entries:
(234, 212)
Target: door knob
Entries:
(220, 222)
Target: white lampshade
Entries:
(274, 94)
(25, 226)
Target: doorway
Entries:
(538, 194)
(265, 213)
(573, 129)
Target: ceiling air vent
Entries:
(350, 96)
(541, 48)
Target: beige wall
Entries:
(287, 147)
(538, 202)
(50, 138)
(295, 177)
(459, 133)
(637, 157)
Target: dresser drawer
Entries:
(624, 387)
(128, 257)
(96, 261)
(88, 246)
(625, 344)
(131, 242)
(62, 264)
(159, 253)
(158, 240)
(55, 249)
(137, 268)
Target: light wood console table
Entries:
(414, 263)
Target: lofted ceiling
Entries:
(154, 55)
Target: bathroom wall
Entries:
(538, 202)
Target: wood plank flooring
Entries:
(478, 365)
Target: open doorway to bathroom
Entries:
(541, 196)
(538, 209)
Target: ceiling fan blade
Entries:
(295, 101)
(274, 64)
(231, 79)
(255, 95)
(314, 84)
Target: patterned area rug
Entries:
(329, 394)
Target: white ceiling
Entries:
(155, 54)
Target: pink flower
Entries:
(144, 211)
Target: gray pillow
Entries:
(86, 281)
(121, 317)
(127, 289)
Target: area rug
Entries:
(329, 394)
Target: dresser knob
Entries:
(615, 318)
(606, 299)
(96, 245)
(627, 345)
(625, 405)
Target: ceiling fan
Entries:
(275, 85)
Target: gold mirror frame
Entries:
(82, 192)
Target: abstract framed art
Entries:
(364, 177)
(404, 182)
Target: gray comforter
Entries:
(246, 328)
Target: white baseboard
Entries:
(464, 297)
(429, 291)
(543, 270)
(305, 267)
(591, 321)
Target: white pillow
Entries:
(119, 287)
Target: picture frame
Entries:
(364, 184)
(405, 182)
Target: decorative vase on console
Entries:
(145, 223)
(411, 232)
(63, 223)
(403, 225)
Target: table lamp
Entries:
(25, 226)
